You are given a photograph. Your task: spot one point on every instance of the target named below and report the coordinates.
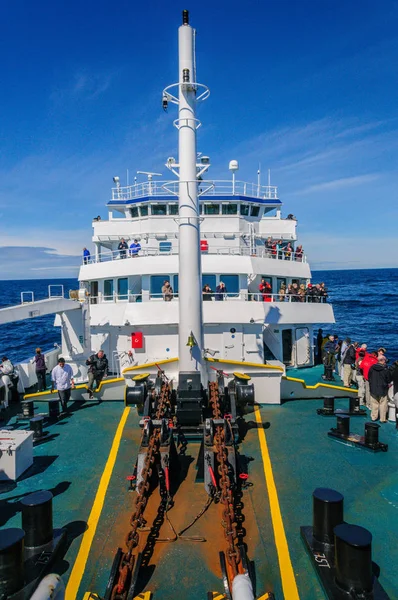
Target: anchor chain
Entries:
(137, 520)
(229, 521)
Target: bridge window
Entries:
(173, 209)
(122, 288)
(244, 210)
(134, 212)
(209, 280)
(108, 290)
(254, 211)
(229, 209)
(157, 282)
(144, 211)
(159, 209)
(231, 283)
(212, 209)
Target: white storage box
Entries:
(16, 453)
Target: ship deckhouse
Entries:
(237, 218)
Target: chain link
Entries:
(137, 520)
(229, 521)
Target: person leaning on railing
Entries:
(135, 247)
(298, 255)
(122, 247)
(167, 291)
(206, 293)
(221, 291)
(86, 256)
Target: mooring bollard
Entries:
(343, 424)
(36, 425)
(327, 512)
(37, 518)
(353, 558)
(11, 561)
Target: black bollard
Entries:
(36, 425)
(327, 512)
(53, 409)
(37, 518)
(328, 404)
(11, 561)
(28, 408)
(353, 558)
(372, 433)
(343, 425)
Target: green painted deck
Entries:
(71, 461)
(311, 375)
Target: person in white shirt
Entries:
(62, 380)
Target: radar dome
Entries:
(233, 165)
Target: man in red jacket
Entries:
(369, 360)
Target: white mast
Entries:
(190, 279)
(190, 92)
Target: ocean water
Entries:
(19, 340)
(365, 304)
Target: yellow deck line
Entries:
(289, 585)
(164, 361)
(319, 384)
(84, 550)
(244, 364)
(82, 386)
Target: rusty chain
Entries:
(137, 520)
(229, 521)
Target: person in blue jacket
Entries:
(86, 256)
(135, 247)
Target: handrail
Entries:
(247, 296)
(260, 252)
(215, 188)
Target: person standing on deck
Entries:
(39, 361)
(367, 362)
(329, 351)
(167, 291)
(135, 247)
(86, 256)
(319, 340)
(348, 365)
(122, 247)
(360, 377)
(62, 380)
(379, 380)
(221, 291)
(98, 369)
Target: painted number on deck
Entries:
(321, 560)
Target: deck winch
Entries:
(170, 421)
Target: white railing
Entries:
(212, 297)
(217, 250)
(208, 188)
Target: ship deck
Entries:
(86, 457)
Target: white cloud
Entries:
(339, 184)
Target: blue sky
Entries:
(307, 89)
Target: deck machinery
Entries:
(170, 419)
